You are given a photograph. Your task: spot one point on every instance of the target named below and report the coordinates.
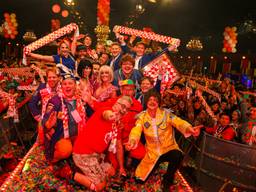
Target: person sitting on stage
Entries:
(64, 119)
(102, 132)
(157, 125)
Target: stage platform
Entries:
(34, 174)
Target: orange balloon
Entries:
(65, 13)
(56, 8)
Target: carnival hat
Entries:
(126, 82)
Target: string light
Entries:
(69, 2)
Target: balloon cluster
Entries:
(230, 40)
(103, 11)
(146, 35)
(55, 24)
(57, 9)
(10, 26)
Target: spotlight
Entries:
(69, 2)
(139, 8)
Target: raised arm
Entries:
(41, 57)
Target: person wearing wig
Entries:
(158, 124)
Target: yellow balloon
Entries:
(13, 20)
(15, 24)
(234, 28)
(13, 15)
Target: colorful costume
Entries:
(92, 142)
(68, 125)
(159, 135)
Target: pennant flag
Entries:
(162, 65)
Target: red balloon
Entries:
(56, 8)
(229, 49)
(12, 36)
(6, 15)
(65, 13)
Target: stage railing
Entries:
(225, 165)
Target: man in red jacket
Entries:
(102, 132)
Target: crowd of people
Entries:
(98, 108)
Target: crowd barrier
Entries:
(224, 165)
(21, 132)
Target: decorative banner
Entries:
(213, 65)
(27, 88)
(146, 35)
(203, 79)
(230, 40)
(206, 89)
(162, 65)
(49, 38)
(12, 110)
(103, 11)
(24, 71)
(245, 65)
(178, 93)
(206, 106)
(226, 68)
(248, 93)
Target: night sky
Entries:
(178, 18)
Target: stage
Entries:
(33, 173)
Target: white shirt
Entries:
(137, 61)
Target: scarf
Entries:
(79, 108)
(12, 109)
(112, 146)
